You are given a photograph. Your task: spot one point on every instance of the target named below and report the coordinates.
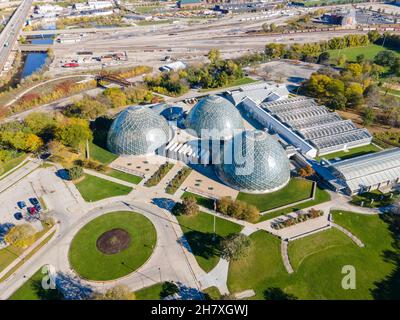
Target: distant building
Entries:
(380, 170)
(189, 3)
(47, 8)
(173, 66)
(93, 5)
(244, 7)
(340, 18)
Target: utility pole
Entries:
(87, 150)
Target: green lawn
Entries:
(93, 188)
(150, 293)
(369, 52)
(379, 198)
(11, 164)
(92, 264)
(260, 269)
(320, 197)
(124, 176)
(100, 154)
(201, 201)
(318, 260)
(32, 290)
(295, 190)
(212, 293)
(238, 82)
(198, 231)
(354, 152)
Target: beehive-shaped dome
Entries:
(214, 114)
(138, 130)
(254, 162)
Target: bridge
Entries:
(9, 35)
(35, 47)
(114, 79)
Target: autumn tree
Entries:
(306, 171)
(75, 172)
(74, 132)
(22, 235)
(235, 246)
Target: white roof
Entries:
(370, 169)
(259, 92)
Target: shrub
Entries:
(75, 172)
(237, 209)
(235, 246)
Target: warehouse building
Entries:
(376, 171)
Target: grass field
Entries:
(198, 231)
(94, 189)
(354, 152)
(124, 176)
(11, 164)
(32, 290)
(318, 260)
(100, 154)
(150, 293)
(92, 264)
(295, 190)
(351, 54)
(238, 82)
(212, 293)
(320, 197)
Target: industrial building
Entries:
(258, 92)
(376, 171)
(311, 128)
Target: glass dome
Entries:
(254, 162)
(216, 117)
(138, 130)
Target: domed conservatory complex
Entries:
(138, 130)
(214, 116)
(254, 162)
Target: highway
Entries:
(9, 35)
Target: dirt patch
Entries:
(113, 241)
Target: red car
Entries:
(32, 210)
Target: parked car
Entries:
(21, 204)
(34, 201)
(32, 210)
(38, 208)
(18, 215)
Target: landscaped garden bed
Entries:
(299, 217)
(374, 199)
(159, 174)
(177, 181)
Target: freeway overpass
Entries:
(9, 35)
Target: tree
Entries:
(341, 60)
(235, 246)
(41, 124)
(22, 235)
(324, 58)
(360, 58)
(354, 94)
(75, 172)
(385, 58)
(168, 288)
(189, 206)
(373, 36)
(116, 97)
(119, 292)
(306, 171)
(368, 116)
(73, 132)
(214, 55)
(87, 108)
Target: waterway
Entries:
(34, 61)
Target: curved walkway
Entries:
(349, 234)
(285, 256)
(18, 96)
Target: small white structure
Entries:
(93, 5)
(173, 66)
(48, 8)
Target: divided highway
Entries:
(9, 35)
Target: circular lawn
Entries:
(112, 246)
